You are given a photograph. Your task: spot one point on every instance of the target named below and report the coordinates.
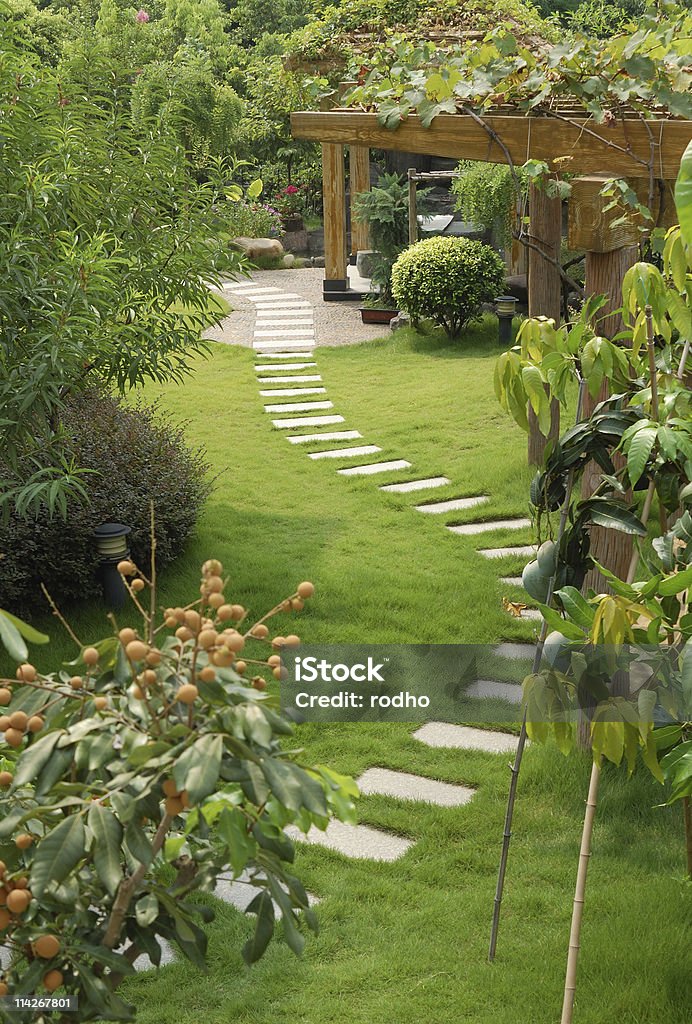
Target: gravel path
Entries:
(336, 323)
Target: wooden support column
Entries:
(334, 199)
(359, 181)
(544, 286)
(412, 207)
(610, 252)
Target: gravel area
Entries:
(336, 323)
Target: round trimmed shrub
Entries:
(447, 280)
(137, 455)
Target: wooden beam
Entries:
(359, 181)
(579, 146)
(334, 199)
(545, 292)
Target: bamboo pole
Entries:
(412, 207)
(516, 766)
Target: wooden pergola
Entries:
(625, 148)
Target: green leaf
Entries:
(232, 827)
(612, 515)
(146, 910)
(108, 833)
(58, 853)
(639, 449)
(683, 194)
(686, 679)
(197, 769)
(254, 189)
(676, 584)
(576, 607)
(255, 947)
(11, 639)
(27, 631)
(138, 843)
(34, 758)
(564, 626)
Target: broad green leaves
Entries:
(683, 195)
(58, 853)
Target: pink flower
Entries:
(142, 17)
(290, 190)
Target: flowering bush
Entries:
(290, 201)
(252, 220)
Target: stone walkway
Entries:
(283, 313)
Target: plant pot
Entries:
(377, 316)
(293, 223)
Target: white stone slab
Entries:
(303, 378)
(512, 581)
(280, 323)
(471, 529)
(283, 332)
(416, 485)
(522, 549)
(514, 650)
(276, 305)
(143, 963)
(438, 507)
(444, 734)
(358, 841)
(240, 892)
(346, 453)
(375, 467)
(299, 407)
(292, 392)
(530, 613)
(281, 297)
(296, 314)
(254, 290)
(232, 286)
(405, 786)
(334, 435)
(285, 355)
(511, 692)
(281, 345)
(307, 421)
(272, 367)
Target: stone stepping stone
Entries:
(522, 549)
(250, 293)
(416, 485)
(240, 892)
(282, 322)
(346, 453)
(438, 507)
(272, 367)
(292, 392)
(530, 613)
(404, 786)
(289, 308)
(233, 286)
(509, 649)
(334, 435)
(281, 297)
(511, 692)
(307, 421)
(357, 841)
(290, 314)
(299, 407)
(303, 378)
(512, 581)
(375, 467)
(283, 332)
(444, 734)
(471, 529)
(285, 355)
(281, 345)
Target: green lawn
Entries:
(405, 943)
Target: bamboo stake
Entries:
(516, 766)
(579, 893)
(687, 818)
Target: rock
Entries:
(289, 259)
(254, 247)
(397, 322)
(295, 241)
(364, 262)
(317, 261)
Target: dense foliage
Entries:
(447, 280)
(131, 455)
(136, 776)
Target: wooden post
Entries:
(359, 181)
(412, 208)
(610, 251)
(544, 286)
(334, 198)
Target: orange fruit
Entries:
(234, 642)
(212, 567)
(238, 612)
(193, 620)
(225, 612)
(260, 631)
(14, 737)
(153, 658)
(52, 980)
(292, 640)
(278, 642)
(26, 672)
(126, 567)
(5, 696)
(35, 723)
(187, 693)
(5, 918)
(3, 896)
(213, 584)
(6, 779)
(3, 868)
(297, 604)
(169, 787)
(47, 946)
(138, 586)
(100, 703)
(273, 660)
(127, 635)
(4, 721)
(23, 840)
(18, 900)
(208, 638)
(76, 682)
(240, 667)
(174, 805)
(136, 650)
(21, 883)
(305, 589)
(19, 720)
(90, 656)
(207, 675)
(259, 683)
(216, 601)
(3, 988)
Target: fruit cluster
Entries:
(15, 900)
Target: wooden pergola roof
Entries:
(621, 148)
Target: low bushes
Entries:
(135, 455)
(447, 280)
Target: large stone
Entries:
(405, 786)
(359, 841)
(270, 248)
(463, 737)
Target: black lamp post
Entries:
(505, 307)
(111, 546)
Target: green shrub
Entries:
(135, 455)
(447, 280)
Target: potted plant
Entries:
(289, 203)
(385, 211)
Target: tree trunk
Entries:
(604, 275)
(544, 287)
(334, 198)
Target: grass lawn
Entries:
(406, 942)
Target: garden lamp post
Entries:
(111, 546)
(505, 307)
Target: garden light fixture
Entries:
(505, 307)
(112, 547)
